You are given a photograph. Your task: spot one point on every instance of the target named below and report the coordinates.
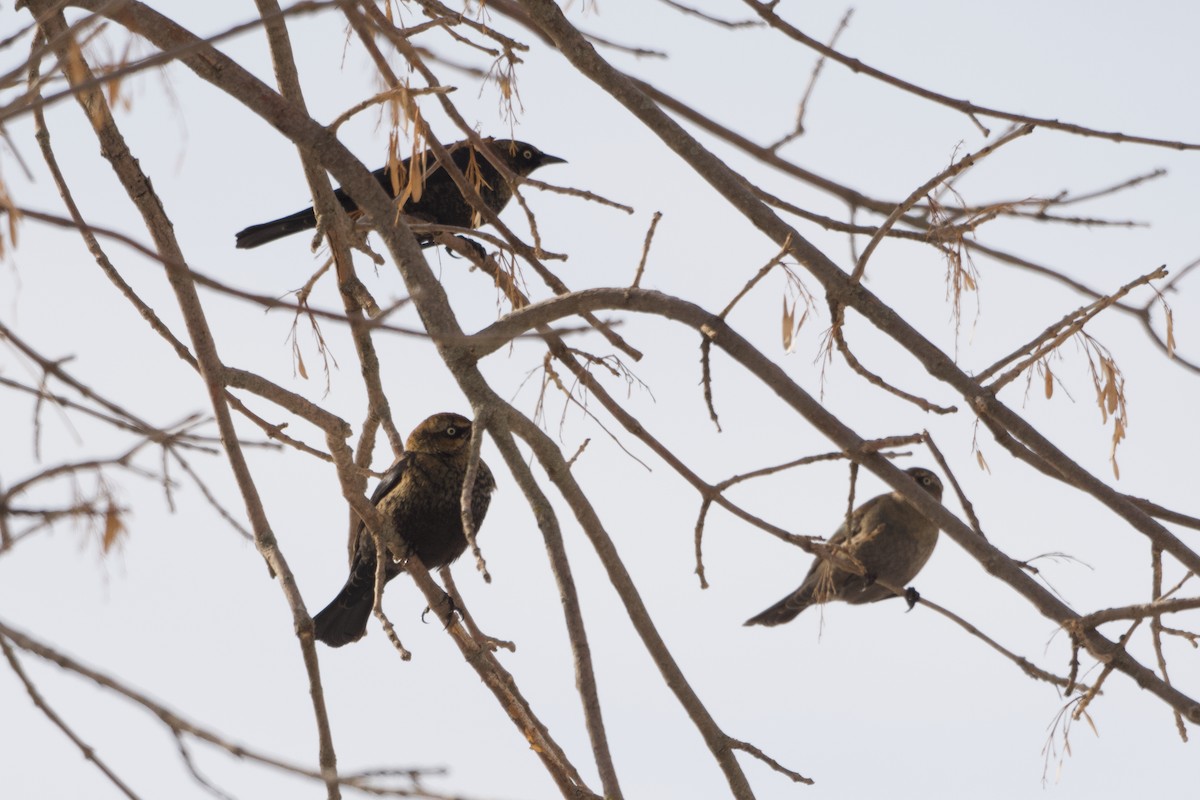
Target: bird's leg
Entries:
(457, 246)
(869, 579)
(911, 596)
(490, 642)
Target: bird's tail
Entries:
(256, 235)
(785, 610)
(345, 619)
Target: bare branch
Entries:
(766, 11)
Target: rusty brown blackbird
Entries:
(439, 201)
(888, 536)
(420, 497)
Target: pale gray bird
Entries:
(888, 536)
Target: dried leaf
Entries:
(474, 175)
(300, 364)
(113, 528)
(396, 108)
(1111, 395)
(1100, 395)
(1049, 376)
(1118, 435)
(113, 90)
(416, 170)
(14, 217)
(982, 463)
(789, 324)
(395, 168)
(1170, 330)
(76, 69)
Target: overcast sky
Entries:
(867, 701)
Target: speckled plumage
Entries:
(420, 497)
(889, 537)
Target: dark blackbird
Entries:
(887, 535)
(420, 496)
(439, 202)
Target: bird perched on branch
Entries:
(421, 498)
(888, 536)
(427, 191)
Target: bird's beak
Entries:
(549, 159)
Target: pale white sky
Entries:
(865, 700)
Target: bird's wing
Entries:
(821, 568)
(867, 510)
(458, 152)
(390, 480)
(362, 546)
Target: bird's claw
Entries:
(451, 610)
(479, 250)
(911, 596)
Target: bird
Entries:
(889, 537)
(420, 496)
(437, 201)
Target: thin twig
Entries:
(766, 11)
(798, 129)
(641, 267)
(89, 753)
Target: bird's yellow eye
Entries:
(528, 155)
(452, 431)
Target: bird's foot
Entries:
(451, 610)
(911, 596)
(476, 247)
(476, 253)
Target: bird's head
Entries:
(927, 480)
(522, 157)
(442, 434)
